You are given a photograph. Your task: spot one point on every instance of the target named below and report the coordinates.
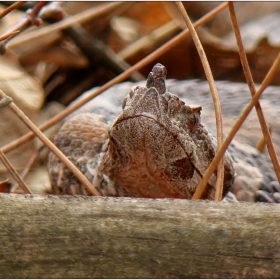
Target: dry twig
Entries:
(7, 36)
(10, 8)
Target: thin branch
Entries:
(52, 147)
(11, 8)
(13, 172)
(249, 79)
(215, 97)
(212, 167)
(93, 93)
(9, 35)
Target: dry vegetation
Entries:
(53, 52)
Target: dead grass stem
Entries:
(215, 97)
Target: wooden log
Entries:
(99, 237)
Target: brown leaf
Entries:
(18, 84)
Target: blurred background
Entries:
(70, 61)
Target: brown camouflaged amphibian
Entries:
(157, 147)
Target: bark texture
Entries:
(90, 237)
